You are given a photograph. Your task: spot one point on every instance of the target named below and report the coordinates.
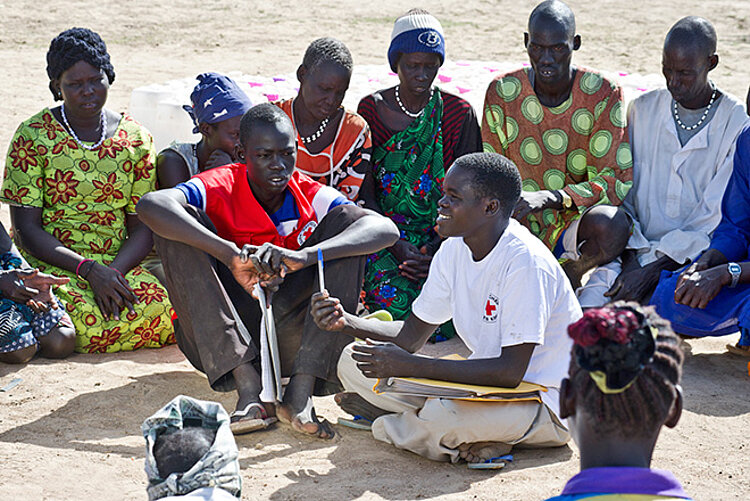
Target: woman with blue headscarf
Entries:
(218, 104)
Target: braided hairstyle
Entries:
(625, 367)
(73, 45)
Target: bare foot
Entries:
(355, 405)
(478, 452)
(305, 421)
(297, 408)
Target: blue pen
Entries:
(321, 277)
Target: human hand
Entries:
(416, 266)
(634, 284)
(217, 158)
(700, 287)
(42, 282)
(413, 263)
(271, 260)
(534, 201)
(12, 285)
(382, 360)
(327, 312)
(111, 291)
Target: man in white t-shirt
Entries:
(511, 304)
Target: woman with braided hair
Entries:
(73, 176)
(622, 386)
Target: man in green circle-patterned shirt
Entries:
(565, 129)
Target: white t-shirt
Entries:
(517, 294)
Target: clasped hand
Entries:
(30, 287)
(414, 263)
(266, 265)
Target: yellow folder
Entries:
(433, 388)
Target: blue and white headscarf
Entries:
(416, 32)
(216, 98)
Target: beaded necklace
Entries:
(705, 114)
(407, 112)
(315, 135)
(102, 123)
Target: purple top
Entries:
(624, 480)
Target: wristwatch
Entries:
(735, 270)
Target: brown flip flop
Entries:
(738, 350)
(246, 425)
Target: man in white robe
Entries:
(683, 141)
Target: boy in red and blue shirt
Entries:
(260, 222)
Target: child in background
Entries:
(622, 386)
(218, 106)
(32, 319)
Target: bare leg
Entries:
(602, 236)
(297, 408)
(59, 343)
(249, 386)
(19, 356)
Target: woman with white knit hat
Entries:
(417, 133)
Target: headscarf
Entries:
(216, 98)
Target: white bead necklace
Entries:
(705, 114)
(102, 123)
(407, 112)
(317, 133)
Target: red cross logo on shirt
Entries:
(306, 232)
(490, 309)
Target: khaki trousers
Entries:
(435, 427)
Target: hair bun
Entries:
(614, 344)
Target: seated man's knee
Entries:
(19, 356)
(59, 343)
(346, 213)
(603, 232)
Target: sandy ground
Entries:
(70, 430)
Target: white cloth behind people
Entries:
(676, 196)
(517, 294)
(204, 494)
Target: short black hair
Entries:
(179, 450)
(264, 113)
(493, 176)
(73, 45)
(328, 50)
(556, 11)
(695, 32)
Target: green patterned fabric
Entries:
(580, 146)
(409, 174)
(85, 196)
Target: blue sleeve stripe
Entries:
(193, 194)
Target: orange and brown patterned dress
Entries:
(85, 196)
